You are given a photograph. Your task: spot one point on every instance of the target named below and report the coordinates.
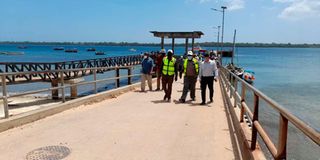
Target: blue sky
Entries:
(294, 21)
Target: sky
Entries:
(265, 21)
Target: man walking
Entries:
(190, 70)
(147, 64)
(208, 73)
(169, 71)
(159, 59)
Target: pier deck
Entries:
(132, 126)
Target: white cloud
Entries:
(300, 9)
(236, 4)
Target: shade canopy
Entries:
(194, 34)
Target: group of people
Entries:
(192, 67)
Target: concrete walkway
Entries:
(133, 126)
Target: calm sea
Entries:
(290, 76)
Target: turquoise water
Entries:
(290, 76)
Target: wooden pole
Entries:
(172, 45)
(192, 44)
(186, 50)
(117, 80)
(95, 79)
(62, 85)
(5, 96)
(55, 92)
(255, 118)
(243, 96)
(129, 75)
(282, 142)
(162, 42)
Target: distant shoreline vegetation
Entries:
(202, 44)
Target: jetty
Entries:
(124, 123)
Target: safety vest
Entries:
(195, 62)
(168, 66)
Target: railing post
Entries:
(5, 96)
(129, 75)
(62, 85)
(95, 79)
(282, 141)
(243, 97)
(235, 86)
(117, 77)
(231, 84)
(255, 118)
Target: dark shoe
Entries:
(158, 89)
(202, 103)
(193, 99)
(182, 100)
(169, 100)
(164, 98)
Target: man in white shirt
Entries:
(208, 72)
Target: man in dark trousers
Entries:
(190, 69)
(147, 64)
(159, 58)
(169, 69)
(208, 73)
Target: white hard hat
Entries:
(190, 53)
(170, 50)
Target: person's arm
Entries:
(176, 67)
(200, 71)
(216, 71)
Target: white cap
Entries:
(170, 50)
(190, 53)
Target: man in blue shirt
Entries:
(147, 65)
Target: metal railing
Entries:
(22, 67)
(61, 78)
(230, 82)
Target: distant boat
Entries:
(22, 47)
(12, 53)
(91, 49)
(72, 50)
(248, 76)
(58, 49)
(100, 53)
(133, 50)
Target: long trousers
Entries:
(206, 81)
(158, 80)
(167, 85)
(145, 77)
(189, 84)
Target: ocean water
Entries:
(290, 76)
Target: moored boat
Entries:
(132, 50)
(100, 53)
(248, 76)
(11, 53)
(58, 48)
(91, 49)
(22, 47)
(72, 50)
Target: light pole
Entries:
(218, 37)
(223, 9)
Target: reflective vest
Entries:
(195, 62)
(168, 66)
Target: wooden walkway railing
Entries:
(230, 81)
(27, 67)
(61, 78)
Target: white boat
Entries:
(132, 50)
(11, 53)
(248, 76)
